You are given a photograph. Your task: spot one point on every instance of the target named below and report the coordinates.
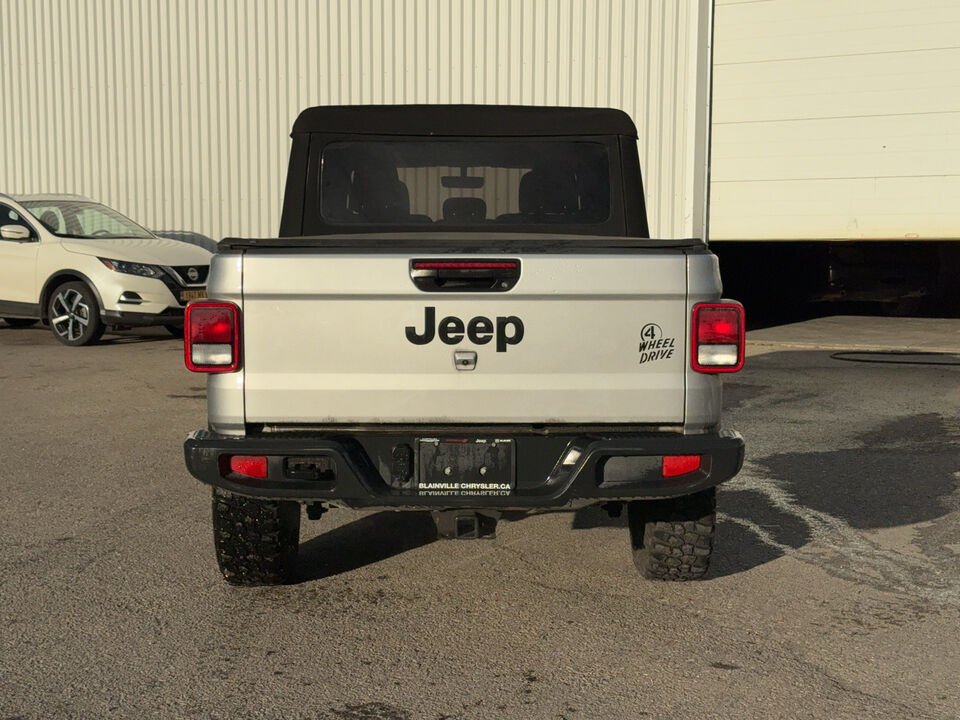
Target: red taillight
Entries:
(464, 265)
(718, 337)
(211, 340)
(674, 465)
(211, 325)
(252, 466)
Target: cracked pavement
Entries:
(834, 593)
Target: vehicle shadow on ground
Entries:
(736, 549)
(904, 473)
(362, 542)
(109, 340)
(595, 516)
(23, 336)
(39, 334)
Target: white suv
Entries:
(80, 267)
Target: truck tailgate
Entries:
(343, 338)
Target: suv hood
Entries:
(155, 251)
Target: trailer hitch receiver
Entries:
(465, 524)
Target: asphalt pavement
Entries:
(835, 590)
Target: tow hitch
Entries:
(465, 524)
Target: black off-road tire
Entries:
(175, 330)
(256, 540)
(673, 539)
(74, 314)
(20, 322)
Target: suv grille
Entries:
(198, 276)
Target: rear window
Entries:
(465, 182)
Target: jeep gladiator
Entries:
(463, 313)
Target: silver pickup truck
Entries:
(464, 313)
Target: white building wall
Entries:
(836, 119)
(177, 112)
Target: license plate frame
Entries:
(188, 295)
(466, 467)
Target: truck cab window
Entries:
(465, 182)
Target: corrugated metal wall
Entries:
(177, 112)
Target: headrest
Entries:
(543, 192)
(464, 209)
(50, 220)
(380, 196)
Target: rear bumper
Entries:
(170, 316)
(610, 467)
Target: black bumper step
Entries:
(356, 470)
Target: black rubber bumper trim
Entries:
(135, 319)
(358, 483)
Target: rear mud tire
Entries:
(256, 541)
(175, 330)
(20, 323)
(673, 539)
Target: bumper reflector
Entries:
(252, 466)
(674, 465)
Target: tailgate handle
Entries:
(465, 275)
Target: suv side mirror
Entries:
(15, 232)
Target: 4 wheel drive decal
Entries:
(653, 345)
(508, 330)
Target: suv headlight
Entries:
(132, 268)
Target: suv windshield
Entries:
(465, 182)
(83, 219)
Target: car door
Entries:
(19, 293)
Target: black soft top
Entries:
(465, 120)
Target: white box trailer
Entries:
(836, 133)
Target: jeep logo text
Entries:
(480, 330)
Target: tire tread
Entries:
(673, 539)
(255, 540)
